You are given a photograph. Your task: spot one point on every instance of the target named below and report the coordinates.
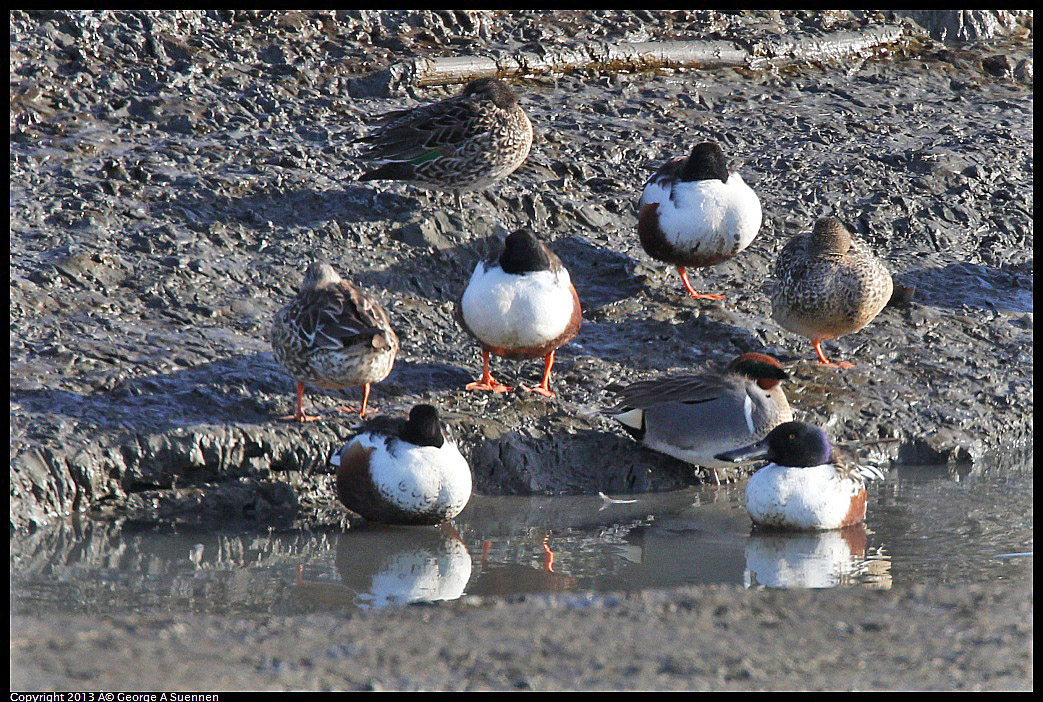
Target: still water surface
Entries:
(924, 526)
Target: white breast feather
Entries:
(419, 478)
(747, 412)
(712, 214)
(654, 192)
(517, 311)
(799, 498)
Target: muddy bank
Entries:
(173, 174)
(968, 637)
(938, 597)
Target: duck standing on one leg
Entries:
(333, 335)
(403, 471)
(520, 305)
(694, 417)
(466, 142)
(827, 284)
(693, 213)
(806, 486)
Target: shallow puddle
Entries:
(925, 525)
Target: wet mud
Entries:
(173, 174)
(693, 638)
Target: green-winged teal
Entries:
(466, 142)
(694, 417)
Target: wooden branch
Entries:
(640, 56)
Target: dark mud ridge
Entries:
(172, 174)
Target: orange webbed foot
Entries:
(692, 291)
(706, 296)
(299, 414)
(489, 386)
(487, 382)
(300, 417)
(839, 364)
(817, 343)
(361, 411)
(546, 392)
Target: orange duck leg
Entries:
(544, 387)
(822, 357)
(299, 415)
(692, 291)
(487, 382)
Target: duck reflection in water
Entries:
(781, 559)
(381, 566)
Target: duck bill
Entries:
(745, 454)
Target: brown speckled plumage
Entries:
(828, 283)
(333, 335)
(466, 142)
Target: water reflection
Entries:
(815, 560)
(379, 566)
(507, 577)
(924, 526)
(404, 565)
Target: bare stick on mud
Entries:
(628, 57)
